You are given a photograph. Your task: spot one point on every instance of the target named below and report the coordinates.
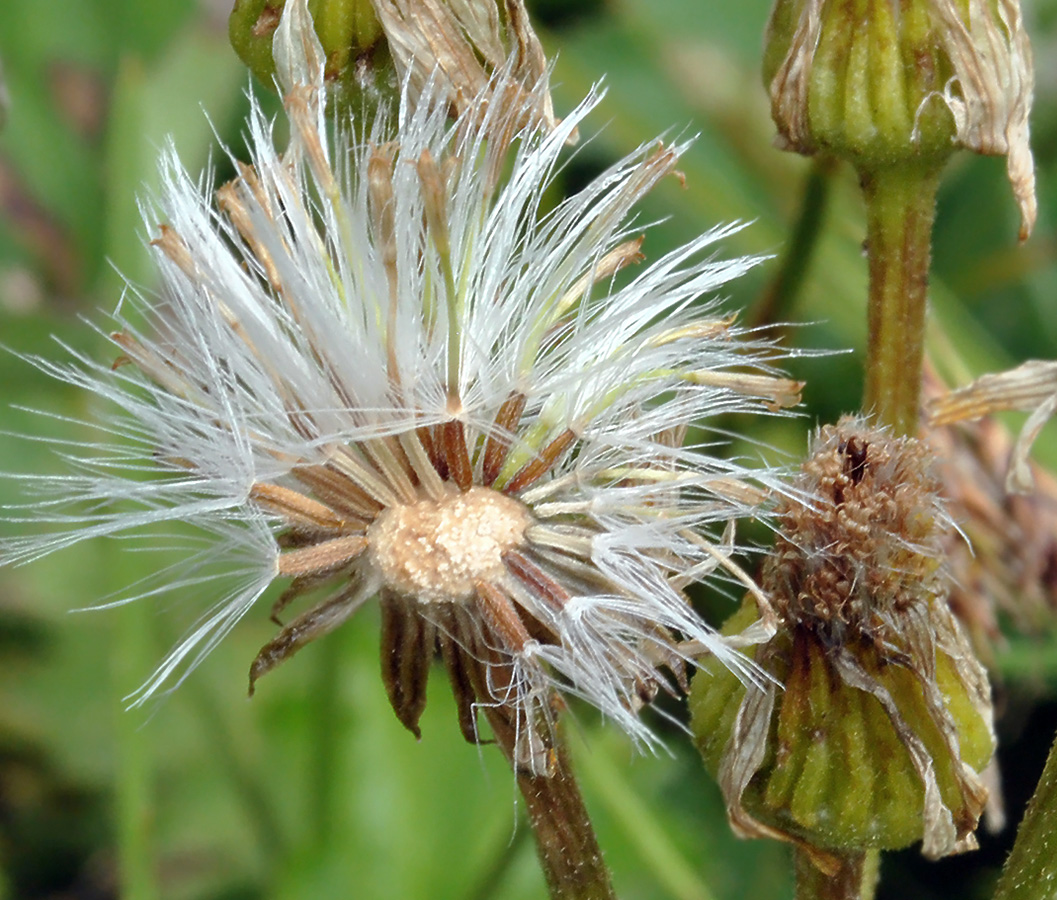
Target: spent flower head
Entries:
(1005, 503)
(379, 368)
(883, 723)
(371, 46)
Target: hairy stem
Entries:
(1031, 870)
(900, 207)
(569, 852)
(855, 879)
(565, 839)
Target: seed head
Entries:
(438, 550)
(867, 546)
(381, 368)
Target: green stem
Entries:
(1030, 872)
(900, 207)
(780, 295)
(856, 879)
(135, 777)
(128, 163)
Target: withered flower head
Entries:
(385, 371)
(882, 82)
(1005, 504)
(1031, 386)
(371, 46)
(880, 718)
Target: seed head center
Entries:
(436, 551)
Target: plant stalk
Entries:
(1030, 873)
(900, 208)
(568, 849)
(135, 799)
(855, 879)
(565, 839)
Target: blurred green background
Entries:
(313, 789)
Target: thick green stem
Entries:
(900, 206)
(1030, 872)
(855, 879)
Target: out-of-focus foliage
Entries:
(313, 789)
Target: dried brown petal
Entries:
(1006, 557)
(991, 91)
(1030, 386)
(468, 42)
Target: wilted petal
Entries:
(991, 92)
(1030, 386)
(466, 43)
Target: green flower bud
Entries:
(849, 76)
(372, 46)
(878, 719)
(880, 82)
(349, 31)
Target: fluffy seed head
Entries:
(387, 367)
